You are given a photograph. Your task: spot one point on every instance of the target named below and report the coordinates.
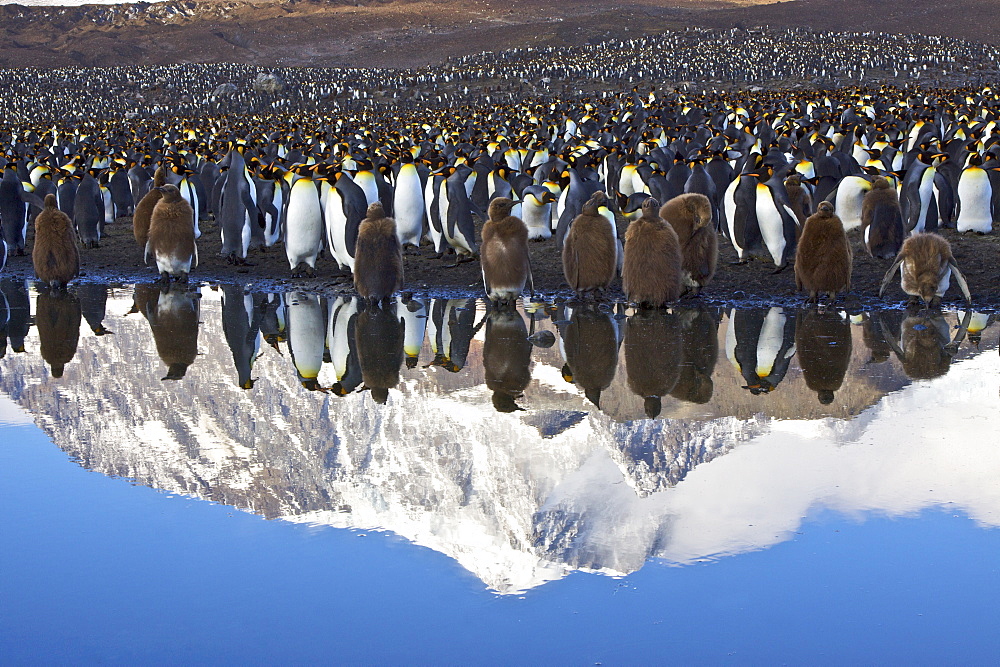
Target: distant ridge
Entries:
(409, 33)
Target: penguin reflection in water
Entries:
(93, 302)
(652, 356)
(590, 343)
(926, 265)
(924, 348)
(173, 314)
(57, 317)
(699, 352)
(823, 345)
(171, 236)
(379, 335)
(506, 358)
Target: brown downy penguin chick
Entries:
(691, 217)
(173, 316)
(378, 256)
(651, 273)
(823, 259)
(926, 266)
(590, 250)
(823, 346)
(55, 255)
(798, 198)
(504, 254)
(882, 220)
(144, 209)
(378, 334)
(652, 356)
(506, 358)
(57, 316)
(171, 236)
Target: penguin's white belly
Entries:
(848, 204)
(537, 219)
(336, 229)
(772, 228)
(975, 197)
(414, 326)
(408, 207)
(173, 265)
(772, 335)
(304, 236)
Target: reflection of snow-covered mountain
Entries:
(518, 499)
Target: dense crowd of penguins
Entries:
(780, 174)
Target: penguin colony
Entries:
(434, 147)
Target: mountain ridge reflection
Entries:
(387, 419)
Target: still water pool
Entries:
(217, 475)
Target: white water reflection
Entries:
(516, 498)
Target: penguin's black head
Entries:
(652, 406)
(380, 394)
(505, 402)
(825, 396)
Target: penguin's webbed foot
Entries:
(779, 269)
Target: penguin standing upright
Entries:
(456, 216)
(690, 215)
(651, 274)
(55, 256)
(408, 205)
(88, 211)
(823, 260)
(536, 211)
(849, 199)
(171, 237)
(144, 209)
(378, 262)
(303, 227)
(882, 220)
(590, 250)
(975, 200)
(236, 210)
(14, 203)
(506, 265)
(778, 225)
(344, 208)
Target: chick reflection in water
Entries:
(506, 358)
(652, 356)
(379, 336)
(823, 345)
(58, 320)
(590, 345)
(924, 347)
(173, 315)
(699, 352)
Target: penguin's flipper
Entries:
(964, 286)
(888, 337)
(194, 265)
(34, 200)
(963, 329)
(889, 274)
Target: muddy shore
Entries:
(119, 260)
